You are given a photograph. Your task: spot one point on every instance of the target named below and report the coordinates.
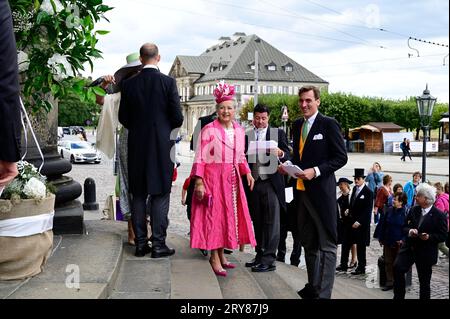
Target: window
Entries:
(237, 88)
(288, 67)
(252, 66)
(285, 89)
(272, 67)
(269, 89)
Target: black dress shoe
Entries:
(162, 251)
(358, 271)
(263, 268)
(341, 268)
(386, 288)
(227, 251)
(142, 251)
(252, 263)
(308, 292)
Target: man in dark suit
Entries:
(319, 150)
(9, 99)
(267, 197)
(424, 229)
(150, 110)
(360, 211)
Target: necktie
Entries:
(305, 130)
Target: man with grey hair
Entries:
(424, 229)
(150, 110)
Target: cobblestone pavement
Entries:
(179, 224)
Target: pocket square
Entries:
(318, 137)
(362, 197)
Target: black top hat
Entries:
(344, 180)
(359, 172)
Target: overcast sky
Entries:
(340, 41)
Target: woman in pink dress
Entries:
(220, 217)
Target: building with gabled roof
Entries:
(233, 59)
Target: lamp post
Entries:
(425, 104)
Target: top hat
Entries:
(133, 65)
(359, 172)
(344, 180)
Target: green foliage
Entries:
(73, 112)
(349, 110)
(58, 38)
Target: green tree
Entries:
(72, 111)
(55, 38)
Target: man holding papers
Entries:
(265, 147)
(319, 151)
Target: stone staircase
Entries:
(106, 268)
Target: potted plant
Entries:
(26, 222)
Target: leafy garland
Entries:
(55, 38)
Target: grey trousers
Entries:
(158, 206)
(265, 213)
(320, 248)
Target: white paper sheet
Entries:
(261, 146)
(291, 170)
(289, 193)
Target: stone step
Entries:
(272, 283)
(92, 259)
(192, 277)
(142, 277)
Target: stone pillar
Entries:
(68, 210)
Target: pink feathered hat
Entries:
(223, 92)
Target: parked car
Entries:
(66, 130)
(79, 151)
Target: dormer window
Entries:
(214, 67)
(271, 66)
(223, 65)
(288, 67)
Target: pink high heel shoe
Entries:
(220, 272)
(229, 265)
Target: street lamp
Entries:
(425, 104)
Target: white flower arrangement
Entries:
(46, 6)
(28, 184)
(60, 66)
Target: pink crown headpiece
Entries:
(223, 92)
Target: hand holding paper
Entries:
(291, 170)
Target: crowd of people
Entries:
(240, 190)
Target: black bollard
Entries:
(89, 195)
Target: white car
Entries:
(78, 152)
